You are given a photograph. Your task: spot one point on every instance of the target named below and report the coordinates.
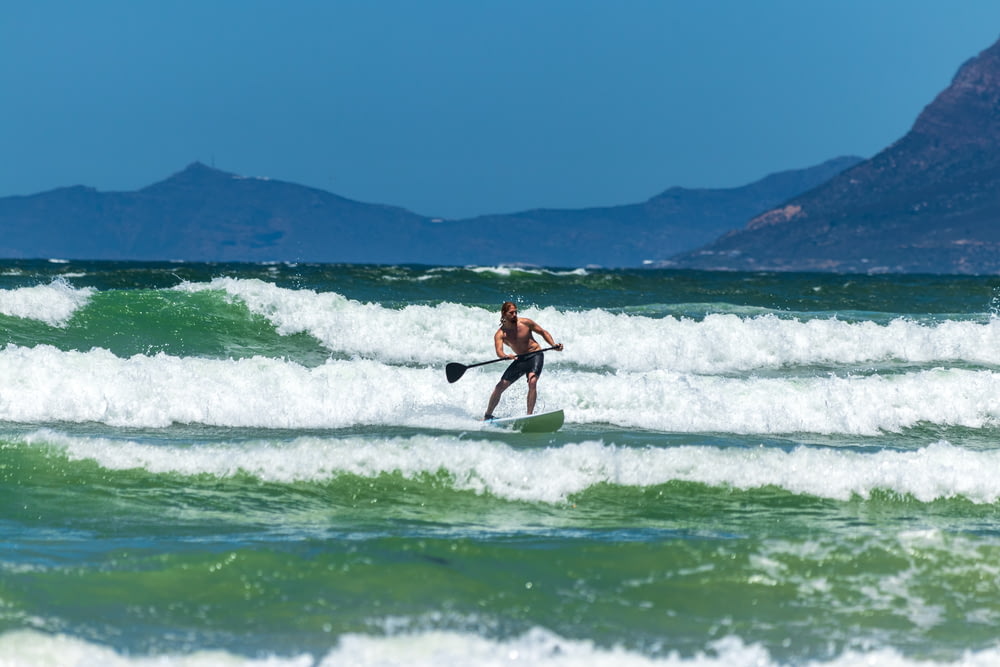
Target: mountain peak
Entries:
(200, 170)
(928, 203)
(195, 173)
(966, 111)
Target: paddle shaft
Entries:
(455, 370)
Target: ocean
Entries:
(263, 464)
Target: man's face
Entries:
(511, 314)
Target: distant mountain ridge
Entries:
(204, 214)
(199, 214)
(930, 202)
(633, 234)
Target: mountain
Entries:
(628, 235)
(203, 214)
(928, 203)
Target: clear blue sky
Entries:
(455, 108)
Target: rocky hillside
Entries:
(928, 203)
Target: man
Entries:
(516, 333)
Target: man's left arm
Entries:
(546, 335)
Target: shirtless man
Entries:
(516, 333)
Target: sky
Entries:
(457, 108)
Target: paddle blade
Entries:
(454, 371)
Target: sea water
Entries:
(265, 464)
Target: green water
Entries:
(267, 461)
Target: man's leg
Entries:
(532, 392)
(495, 397)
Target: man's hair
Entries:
(503, 309)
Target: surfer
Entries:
(516, 333)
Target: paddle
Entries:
(455, 370)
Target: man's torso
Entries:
(519, 338)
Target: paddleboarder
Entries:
(517, 334)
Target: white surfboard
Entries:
(541, 422)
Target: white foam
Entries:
(554, 474)
(44, 384)
(856, 405)
(29, 648)
(427, 334)
(439, 648)
(508, 270)
(53, 304)
(535, 647)
(718, 343)
(727, 343)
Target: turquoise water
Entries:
(207, 464)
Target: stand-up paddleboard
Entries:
(542, 422)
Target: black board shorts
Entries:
(532, 363)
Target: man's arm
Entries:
(498, 344)
(534, 326)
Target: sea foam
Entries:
(53, 304)
(555, 474)
(716, 343)
(443, 648)
(44, 384)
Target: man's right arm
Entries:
(498, 344)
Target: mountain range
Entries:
(930, 203)
(204, 214)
